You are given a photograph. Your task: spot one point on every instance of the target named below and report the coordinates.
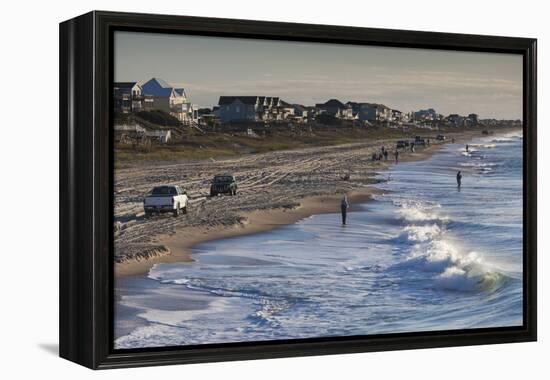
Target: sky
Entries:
(489, 84)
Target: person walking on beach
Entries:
(459, 178)
(386, 154)
(344, 205)
(396, 154)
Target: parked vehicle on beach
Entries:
(223, 184)
(440, 137)
(166, 198)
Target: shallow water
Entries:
(425, 255)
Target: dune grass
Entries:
(212, 145)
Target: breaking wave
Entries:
(434, 252)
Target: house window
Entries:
(237, 109)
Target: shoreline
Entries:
(179, 244)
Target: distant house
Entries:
(346, 112)
(473, 118)
(284, 110)
(370, 111)
(240, 108)
(169, 99)
(397, 116)
(331, 107)
(455, 119)
(426, 115)
(127, 97)
(302, 113)
(268, 108)
(253, 108)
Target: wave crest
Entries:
(436, 253)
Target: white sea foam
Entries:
(151, 336)
(508, 137)
(419, 212)
(422, 233)
(477, 164)
(434, 251)
(473, 147)
(453, 268)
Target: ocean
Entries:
(424, 255)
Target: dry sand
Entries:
(275, 189)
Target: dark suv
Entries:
(223, 184)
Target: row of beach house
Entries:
(157, 94)
(266, 108)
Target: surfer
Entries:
(344, 205)
(459, 178)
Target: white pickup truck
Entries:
(166, 198)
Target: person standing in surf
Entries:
(396, 154)
(344, 205)
(459, 178)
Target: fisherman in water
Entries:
(344, 205)
(459, 178)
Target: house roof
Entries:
(330, 103)
(299, 107)
(159, 87)
(282, 103)
(224, 100)
(272, 100)
(162, 82)
(180, 91)
(124, 84)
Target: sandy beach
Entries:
(275, 189)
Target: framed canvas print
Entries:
(238, 189)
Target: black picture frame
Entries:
(86, 202)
